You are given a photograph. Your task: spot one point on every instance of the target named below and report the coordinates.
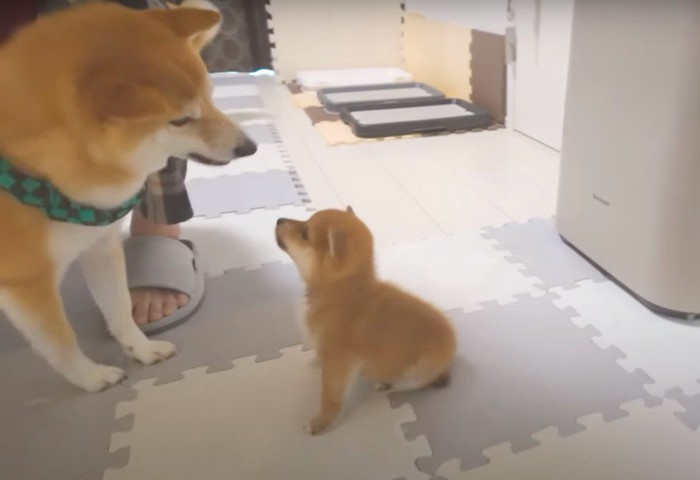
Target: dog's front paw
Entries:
(152, 351)
(317, 425)
(93, 377)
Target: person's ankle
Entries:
(142, 226)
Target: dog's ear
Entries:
(337, 243)
(350, 210)
(198, 22)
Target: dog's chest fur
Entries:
(301, 314)
(67, 241)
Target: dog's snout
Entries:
(247, 149)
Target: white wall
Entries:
(485, 15)
(543, 29)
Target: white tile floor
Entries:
(426, 200)
(419, 188)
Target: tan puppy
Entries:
(92, 100)
(357, 323)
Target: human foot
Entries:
(153, 304)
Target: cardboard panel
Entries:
(438, 54)
(488, 68)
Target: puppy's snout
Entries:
(279, 232)
(247, 149)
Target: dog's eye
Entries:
(304, 234)
(179, 122)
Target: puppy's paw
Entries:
(316, 425)
(93, 377)
(152, 351)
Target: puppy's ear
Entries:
(198, 22)
(337, 243)
(350, 210)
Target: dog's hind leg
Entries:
(422, 375)
(105, 272)
(441, 381)
(36, 310)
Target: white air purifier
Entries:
(629, 193)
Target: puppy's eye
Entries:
(304, 234)
(179, 122)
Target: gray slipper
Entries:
(161, 262)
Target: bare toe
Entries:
(153, 304)
(155, 310)
(182, 299)
(140, 301)
(169, 303)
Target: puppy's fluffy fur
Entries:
(358, 324)
(94, 99)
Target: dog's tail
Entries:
(200, 40)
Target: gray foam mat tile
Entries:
(240, 102)
(212, 197)
(520, 368)
(67, 438)
(246, 312)
(536, 244)
(262, 133)
(51, 430)
(691, 416)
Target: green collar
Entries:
(41, 194)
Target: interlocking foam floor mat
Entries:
(555, 363)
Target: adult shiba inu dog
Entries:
(358, 324)
(92, 100)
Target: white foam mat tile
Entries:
(648, 444)
(667, 350)
(239, 241)
(537, 245)
(292, 125)
(260, 133)
(234, 78)
(236, 104)
(268, 157)
(246, 423)
(235, 91)
(456, 271)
